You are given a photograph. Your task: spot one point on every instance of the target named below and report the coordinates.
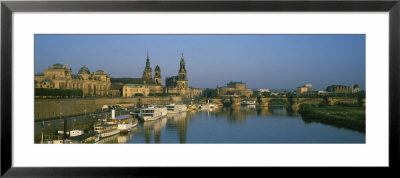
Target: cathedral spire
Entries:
(147, 60)
(147, 73)
(182, 63)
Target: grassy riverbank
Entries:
(349, 117)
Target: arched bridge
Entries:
(295, 102)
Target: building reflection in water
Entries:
(238, 114)
(179, 122)
(151, 131)
(153, 127)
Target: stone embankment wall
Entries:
(51, 108)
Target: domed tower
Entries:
(182, 77)
(157, 75)
(147, 73)
(355, 88)
(84, 72)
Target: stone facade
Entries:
(307, 88)
(235, 89)
(60, 77)
(131, 90)
(343, 89)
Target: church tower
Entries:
(157, 75)
(182, 77)
(147, 73)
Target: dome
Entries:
(355, 86)
(99, 72)
(157, 68)
(58, 66)
(84, 70)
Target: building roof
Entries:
(123, 117)
(127, 80)
(84, 70)
(236, 82)
(58, 66)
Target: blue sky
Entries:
(260, 61)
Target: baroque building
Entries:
(60, 77)
(148, 81)
(179, 84)
(234, 89)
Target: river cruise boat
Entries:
(125, 123)
(248, 102)
(106, 129)
(152, 113)
(176, 108)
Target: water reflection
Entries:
(242, 124)
(179, 122)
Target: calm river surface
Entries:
(236, 125)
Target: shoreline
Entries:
(349, 117)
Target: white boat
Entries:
(106, 130)
(152, 113)
(208, 105)
(125, 122)
(176, 108)
(248, 102)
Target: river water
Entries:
(236, 125)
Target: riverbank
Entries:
(349, 117)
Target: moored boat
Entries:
(152, 113)
(106, 130)
(125, 123)
(176, 108)
(248, 102)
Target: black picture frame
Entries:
(8, 7)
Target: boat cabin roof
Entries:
(123, 117)
(105, 125)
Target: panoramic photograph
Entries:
(199, 88)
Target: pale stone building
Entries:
(179, 84)
(307, 88)
(131, 90)
(60, 77)
(235, 89)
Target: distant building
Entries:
(263, 90)
(131, 90)
(343, 89)
(323, 92)
(235, 89)
(307, 88)
(355, 88)
(60, 77)
(179, 84)
(116, 89)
